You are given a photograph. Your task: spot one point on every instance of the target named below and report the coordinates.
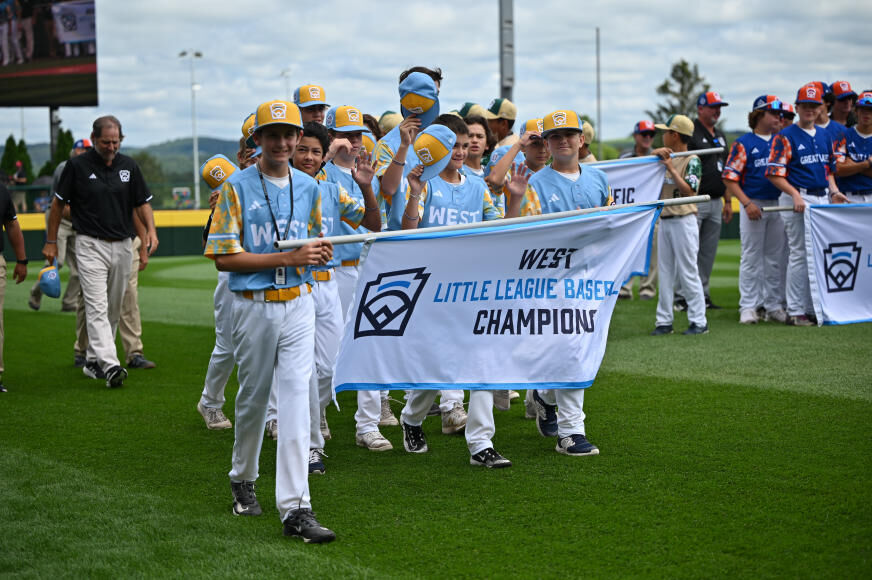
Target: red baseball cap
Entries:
(711, 99)
(644, 127)
(810, 94)
(843, 90)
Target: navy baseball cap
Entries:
(711, 99)
(82, 144)
(768, 103)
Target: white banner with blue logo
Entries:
(838, 242)
(634, 180)
(518, 306)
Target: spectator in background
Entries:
(66, 250)
(25, 26)
(706, 135)
(9, 32)
(19, 198)
(501, 117)
(643, 135)
(584, 154)
(16, 240)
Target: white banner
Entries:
(74, 21)
(634, 180)
(838, 240)
(518, 306)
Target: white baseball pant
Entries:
(798, 289)
(274, 340)
(761, 275)
(221, 362)
(677, 262)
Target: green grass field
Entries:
(742, 453)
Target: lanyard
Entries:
(269, 205)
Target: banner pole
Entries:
(778, 208)
(358, 238)
(633, 160)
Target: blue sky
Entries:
(356, 50)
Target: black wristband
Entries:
(22, 262)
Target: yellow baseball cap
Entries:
(501, 109)
(559, 120)
(309, 96)
(345, 119)
(369, 142)
(277, 113)
(216, 170)
(433, 147)
(248, 130)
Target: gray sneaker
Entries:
(215, 418)
(454, 420)
(374, 441)
(502, 400)
(387, 418)
(244, 499)
(272, 429)
(325, 428)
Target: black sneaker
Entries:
(709, 305)
(576, 445)
(244, 499)
(489, 458)
(138, 361)
(2, 388)
(79, 360)
(115, 377)
(696, 329)
(546, 416)
(413, 439)
(93, 370)
(301, 523)
(661, 330)
(679, 304)
(316, 462)
(434, 411)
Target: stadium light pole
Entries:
(286, 74)
(192, 54)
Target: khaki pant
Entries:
(130, 324)
(104, 271)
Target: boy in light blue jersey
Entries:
(562, 186)
(440, 194)
(345, 124)
(272, 313)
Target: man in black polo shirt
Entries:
(706, 135)
(103, 189)
(16, 239)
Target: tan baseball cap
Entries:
(501, 109)
(677, 123)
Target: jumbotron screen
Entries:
(50, 56)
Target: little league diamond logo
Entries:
(811, 93)
(559, 119)
(354, 115)
(540, 126)
(425, 156)
(124, 175)
(388, 301)
(841, 262)
(218, 173)
(278, 110)
(314, 93)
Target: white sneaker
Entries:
(748, 316)
(454, 420)
(215, 418)
(514, 395)
(325, 429)
(529, 406)
(272, 429)
(387, 418)
(502, 400)
(776, 316)
(374, 441)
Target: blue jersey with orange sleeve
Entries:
(747, 164)
(243, 223)
(857, 148)
(804, 160)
